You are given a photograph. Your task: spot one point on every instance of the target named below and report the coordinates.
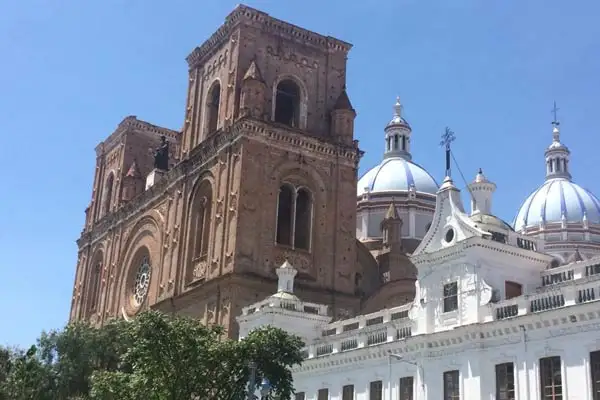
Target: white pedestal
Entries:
(153, 177)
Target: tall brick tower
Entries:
(267, 174)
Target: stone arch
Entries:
(200, 217)
(94, 280)
(299, 194)
(212, 107)
(108, 193)
(282, 90)
(145, 241)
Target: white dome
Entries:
(555, 198)
(396, 174)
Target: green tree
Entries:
(154, 356)
(179, 358)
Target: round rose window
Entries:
(142, 282)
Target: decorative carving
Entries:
(211, 312)
(302, 262)
(233, 200)
(217, 63)
(289, 56)
(200, 269)
(219, 210)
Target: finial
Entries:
(555, 124)
(480, 172)
(447, 138)
(554, 113)
(398, 107)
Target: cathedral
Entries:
(264, 173)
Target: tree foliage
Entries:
(155, 357)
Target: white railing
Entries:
(286, 304)
(548, 298)
(570, 272)
(363, 331)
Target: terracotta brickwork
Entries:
(206, 238)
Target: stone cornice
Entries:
(249, 16)
(284, 138)
(538, 326)
(132, 123)
(457, 251)
(401, 202)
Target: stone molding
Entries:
(250, 16)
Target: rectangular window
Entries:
(512, 289)
(376, 390)
(406, 388)
(323, 394)
(451, 385)
(551, 378)
(595, 370)
(505, 381)
(348, 392)
(300, 396)
(451, 297)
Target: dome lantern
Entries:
(397, 135)
(557, 154)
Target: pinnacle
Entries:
(343, 101)
(253, 72)
(133, 171)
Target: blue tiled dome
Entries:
(555, 198)
(397, 174)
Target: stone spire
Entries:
(557, 154)
(397, 135)
(342, 118)
(391, 226)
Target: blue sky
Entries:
(71, 70)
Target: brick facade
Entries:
(209, 227)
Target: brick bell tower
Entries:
(264, 171)
(287, 190)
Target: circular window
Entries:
(142, 282)
(449, 235)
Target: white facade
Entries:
(490, 320)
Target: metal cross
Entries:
(447, 138)
(554, 112)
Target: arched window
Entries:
(303, 220)
(213, 101)
(285, 206)
(201, 221)
(294, 217)
(94, 293)
(108, 189)
(287, 103)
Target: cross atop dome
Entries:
(555, 124)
